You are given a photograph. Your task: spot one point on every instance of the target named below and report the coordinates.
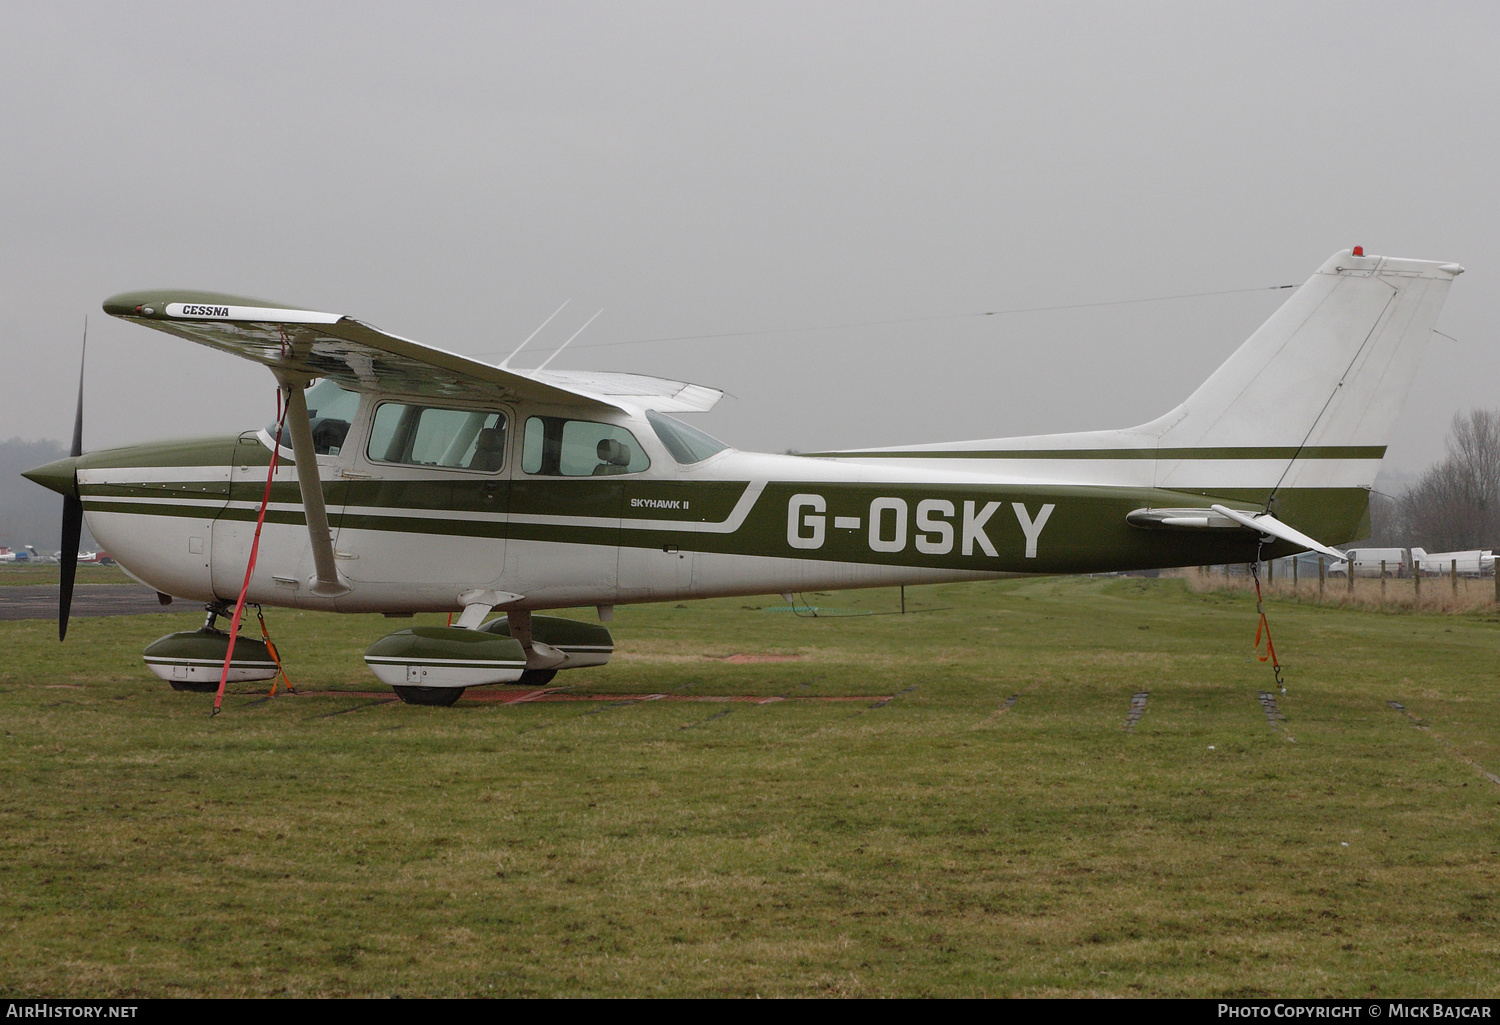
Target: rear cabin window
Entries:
(331, 410)
(459, 439)
(559, 447)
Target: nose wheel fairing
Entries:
(194, 659)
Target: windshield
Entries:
(330, 410)
(687, 444)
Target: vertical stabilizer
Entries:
(1317, 389)
(1296, 421)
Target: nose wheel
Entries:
(212, 612)
(196, 687)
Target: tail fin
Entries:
(1296, 420)
(1319, 386)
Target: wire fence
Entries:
(1308, 581)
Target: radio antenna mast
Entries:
(505, 363)
(564, 345)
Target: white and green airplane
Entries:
(411, 479)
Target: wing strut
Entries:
(327, 581)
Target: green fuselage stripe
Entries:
(1086, 531)
(1282, 452)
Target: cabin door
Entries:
(284, 562)
(656, 552)
(425, 514)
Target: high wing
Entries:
(364, 358)
(659, 393)
(298, 345)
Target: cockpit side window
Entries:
(459, 439)
(331, 409)
(558, 447)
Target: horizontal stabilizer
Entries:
(1180, 519)
(1220, 517)
(1268, 524)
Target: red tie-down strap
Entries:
(260, 521)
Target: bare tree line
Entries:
(1454, 505)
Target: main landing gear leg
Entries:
(520, 629)
(413, 662)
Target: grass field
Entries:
(947, 841)
(12, 575)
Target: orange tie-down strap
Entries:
(1264, 627)
(265, 635)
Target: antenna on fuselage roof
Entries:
(506, 361)
(564, 345)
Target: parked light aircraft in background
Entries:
(411, 479)
(1472, 563)
(1401, 562)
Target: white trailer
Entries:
(1367, 562)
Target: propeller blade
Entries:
(72, 523)
(77, 449)
(72, 527)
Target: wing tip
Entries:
(133, 304)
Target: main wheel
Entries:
(439, 696)
(196, 688)
(536, 677)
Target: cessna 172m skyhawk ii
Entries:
(411, 479)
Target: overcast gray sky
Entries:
(453, 172)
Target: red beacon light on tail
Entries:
(1359, 250)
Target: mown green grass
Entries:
(937, 844)
(19, 574)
